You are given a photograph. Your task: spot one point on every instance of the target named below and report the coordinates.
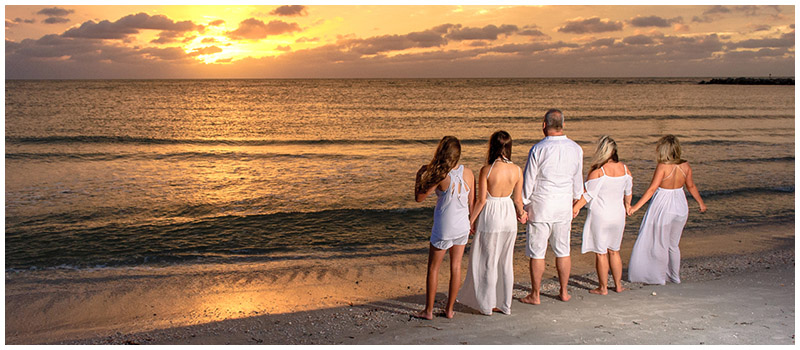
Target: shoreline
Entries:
(338, 301)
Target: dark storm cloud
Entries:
(157, 22)
(165, 54)
(601, 42)
(717, 9)
(128, 25)
(654, 21)
(530, 48)
(489, 32)
(704, 19)
(307, 40)
(11, 23)
(385, 43)
(55, 20)
(531, 32)
(591, 25)
(84, 52)
(444, 28)
(101, 30)
(785, 40)
(638, 40)
(253, 29)
(749, 10)
(712, 14)
(290, 10)
(205, 51)
(166, 37)
(55, 12)
(761, 28)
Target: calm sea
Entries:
(119, 173)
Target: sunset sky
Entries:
(360, 41)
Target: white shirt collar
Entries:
(557, 137)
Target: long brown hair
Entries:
(606, 150)
(499, 146)
(448, 152)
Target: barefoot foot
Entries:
(449, 314)
(599, 291)
(564, 296)
(423, 314)
(619, 289)
(531, 299)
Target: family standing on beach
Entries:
(546, 196)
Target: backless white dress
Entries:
(490, 273)
(655, 256)
(605, 221)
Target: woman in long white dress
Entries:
(498, 204)
(608, 194)
(655, 256)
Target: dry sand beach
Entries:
(738, 288)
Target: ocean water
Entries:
(121, 173)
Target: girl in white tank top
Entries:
(453, 184)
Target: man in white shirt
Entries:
(552, 182)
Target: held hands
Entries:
(575, 210)
(630, 210)
(523, 218)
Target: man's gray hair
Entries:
(554, 119)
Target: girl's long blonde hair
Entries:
(606, 150)
(448, 152)
(669, 150)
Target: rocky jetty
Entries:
(750, 81)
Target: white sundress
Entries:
(655, 256)
(605, 221)
(451, 215)
(490, 272)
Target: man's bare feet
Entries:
(564, 296)
(449, 314)
(496, 310)
(619, 289)
(599, 291)
(423, 314)
(531, 299)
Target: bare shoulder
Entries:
(627, 169)
(468, 171)
(596, 173)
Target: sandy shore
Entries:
(738, 288)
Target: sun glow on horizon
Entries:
(326, 39)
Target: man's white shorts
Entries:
(541, 232)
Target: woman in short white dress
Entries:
(490, 274)
(608, 194)
(453, 184)
(655, 256)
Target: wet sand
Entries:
(738, 288)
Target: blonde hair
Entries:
(606, 150)
(669, 150)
